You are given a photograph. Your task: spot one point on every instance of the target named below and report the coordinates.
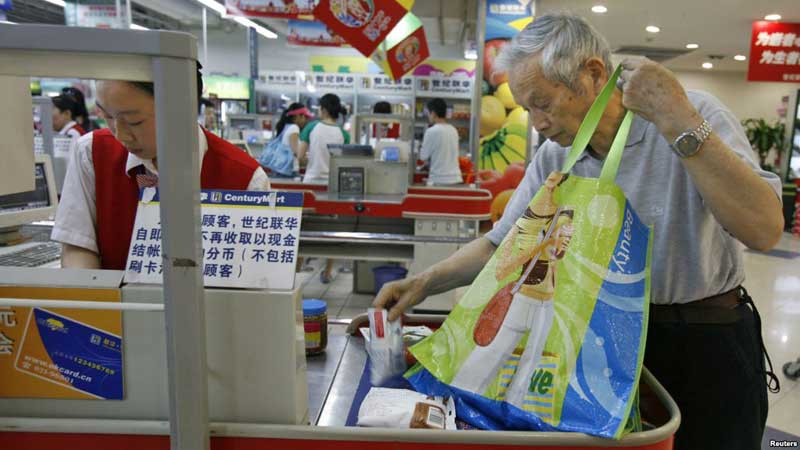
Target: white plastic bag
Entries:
(402, 408)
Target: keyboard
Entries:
(32, 256)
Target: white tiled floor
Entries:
(773, 282)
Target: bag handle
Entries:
(589, 125)
(535, 258)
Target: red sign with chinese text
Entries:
(409, 53)
(364, 24)
(775, 52)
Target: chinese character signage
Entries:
(385, 85)
(774, 52)
(278, 78)
(250, 240)
(332, 81)
(313, 33)
(93, 14)
(444, 86)
(364, 24)
(61, 353)
(285, 9)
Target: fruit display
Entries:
(490, 50)
(503, 147)
(493, 114)
(499, 204)
(503, 93)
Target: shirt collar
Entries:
(68, 126)
(134, 161)
(635, 136)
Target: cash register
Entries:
(21, 249)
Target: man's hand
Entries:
(652, 91)
(400, 295)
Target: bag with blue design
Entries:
(278, 157)
(551, 334)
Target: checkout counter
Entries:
(368, 212)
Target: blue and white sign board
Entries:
(250, 239)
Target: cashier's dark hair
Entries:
(149, 88)
(80, 114)
(382, 108)
(332, 104)
(66, 103)
(438, 107)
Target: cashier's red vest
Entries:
(225, 167)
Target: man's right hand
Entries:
(398, 296)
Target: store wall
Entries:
(227, 53)
(746, 99)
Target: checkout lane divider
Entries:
(78, 304)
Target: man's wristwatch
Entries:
(689, 143)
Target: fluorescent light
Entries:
(599, 9)
(740, 58)
(708, 65)
(471, 54)
(652, 29)
(772, 17)
(138, 27)
(8, 22)
(211, 4)
(57, 2)
(310, 86)
(250, 24)
(692, 46)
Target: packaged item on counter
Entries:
(315, 324)
(385, 347)
(402, 408)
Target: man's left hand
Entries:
(652, 91)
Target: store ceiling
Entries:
(720, 27)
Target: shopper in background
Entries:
(314, 141)
(440, 146)
(65, 110)
(95, 218)
(292, 121)
(384, 130)
(81, 113)
(316, 136)
(704, 194)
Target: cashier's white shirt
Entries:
(440, 145)
(69, 130)
(76, 217)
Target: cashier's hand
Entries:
(652, 91)
(400, 295)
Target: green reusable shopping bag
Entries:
(550, 336)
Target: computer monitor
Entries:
(26, 207)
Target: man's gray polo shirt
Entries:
(693, 256)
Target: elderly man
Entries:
(689, 172)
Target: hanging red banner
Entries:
(774, 52)
(284, 9)
(364, 24)
(408, 53)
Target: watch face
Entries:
(687, 144)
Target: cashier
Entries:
(96, 214)
(440, 146)
(688, 169)
(65, 114)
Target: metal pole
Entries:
(205, 36)
(118, 12)
(252, 46)
(80, 304)
(179, 186)
(528, 141)
(129, 18)
(475, 119)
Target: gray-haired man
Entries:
(688, 170)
